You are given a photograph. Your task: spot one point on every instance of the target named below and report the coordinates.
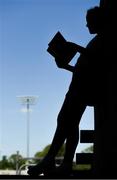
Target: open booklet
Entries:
(62, 50)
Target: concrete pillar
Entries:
(106, 130)
(106, 110)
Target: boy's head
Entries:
(94, 20)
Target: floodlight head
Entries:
(31, 100)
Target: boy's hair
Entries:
(94, 14)
(94, 17)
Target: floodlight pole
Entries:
(28, 128)
(28, 100)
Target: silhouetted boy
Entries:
(82, 92)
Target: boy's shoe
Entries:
(44, 167)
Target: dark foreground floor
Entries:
(75, 175)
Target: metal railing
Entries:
(28, 163)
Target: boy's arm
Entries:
(75, 47)
(69, 68)
(64, 66)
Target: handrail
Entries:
(32, 164)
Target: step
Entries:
(86, 136)
(84, 158)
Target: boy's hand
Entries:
(76, 47)
(60, 64)
(72, 45)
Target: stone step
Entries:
(84, 158)
(86, 136)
